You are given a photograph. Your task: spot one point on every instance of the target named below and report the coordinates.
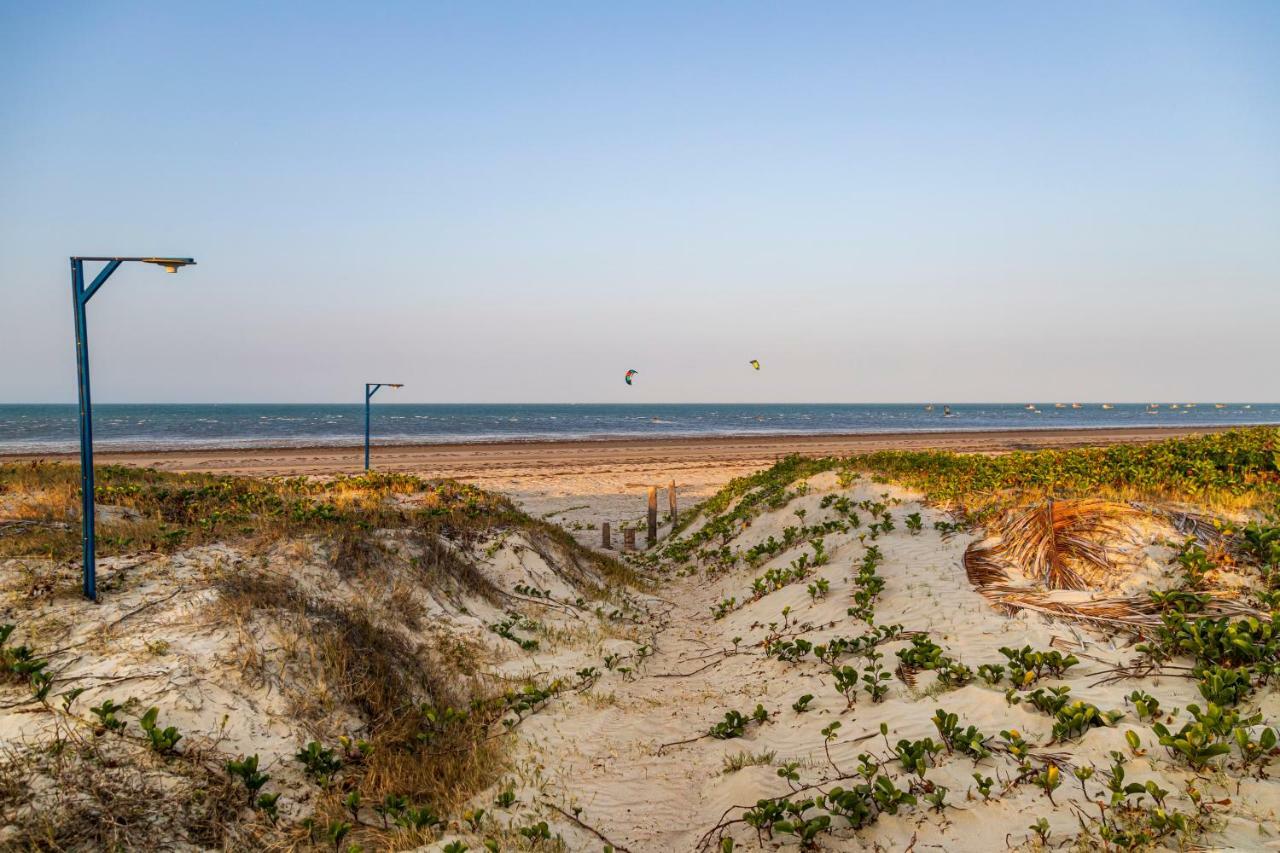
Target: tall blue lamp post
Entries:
(371, 388)
(80, 296)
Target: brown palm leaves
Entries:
(1059, 545)
(1055, 541)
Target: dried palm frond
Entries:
(1060, 544)
(1131, 612)
(1201, 527)
(984, 566)
(1049, 540)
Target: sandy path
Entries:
(615, 752)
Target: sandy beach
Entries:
(611, 476)
(486, 461)
(811, 627)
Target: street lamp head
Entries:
(395, 385)
(169, 264)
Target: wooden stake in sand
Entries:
(628, 538)
(653, 517)
(605, 541)
(671, 499)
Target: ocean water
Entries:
(52, 428)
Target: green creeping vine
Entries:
(1027, 666)
(846, 683)
(536, 832)
(1071, 719)
(1211, 733)
(800, 569)
(724, 608)
(21, 662)
(916, 755)
(806, 830)
(321, 764)
(969, 741)
(884, 525)
(70, 696)
(1262, 542)
(869, 585)
(107, 719)
(757, 554)
(505, 629)
(530, 698)
(1247, 641)
(161, 740)
(984, 785)
(806, 819)
(1195, 564)
(874, 677)
(991, 673)
(790, 651)
(1146, 706)
(734, 724)
(532, 591)
(775, 579)
(819, 589)
(246, 770)
(924, 654)
(418, 818)
(1224, 686)
(1179, 600)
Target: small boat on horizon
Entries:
(1059, 405)
(946, 411)
(1030, 407)
(1077, 406)
(1219, 405)
(929, 408)
(1107, 406)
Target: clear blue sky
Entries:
(518, 202)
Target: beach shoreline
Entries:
(482, 459)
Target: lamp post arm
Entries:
(99, 280)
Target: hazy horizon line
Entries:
(390, 403)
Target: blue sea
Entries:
(52, 428)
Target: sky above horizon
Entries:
(518, 202)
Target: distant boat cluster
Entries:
(1152, 408)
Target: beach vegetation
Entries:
(734, 724)
(162, 740)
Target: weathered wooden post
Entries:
(653, 517)
(605, 541)
(671, 499)
(628, 538)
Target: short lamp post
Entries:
(371, 388)
(80, 296)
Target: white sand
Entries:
(602, 752)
